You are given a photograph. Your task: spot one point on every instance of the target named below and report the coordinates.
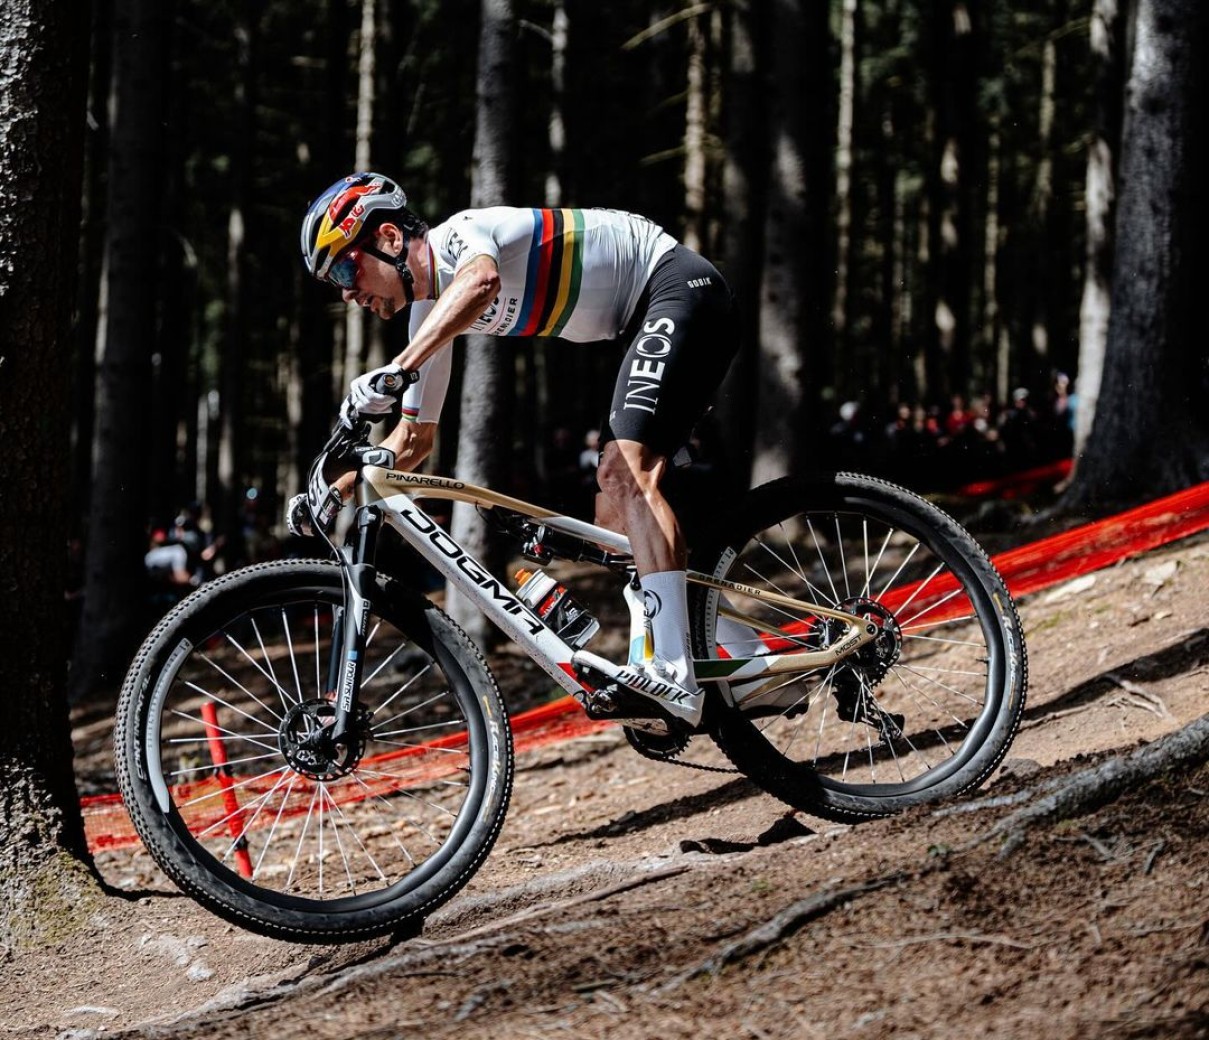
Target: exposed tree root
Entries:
(1048, 802)
(1091, 788)
(781, 926)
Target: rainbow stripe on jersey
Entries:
(555, 271)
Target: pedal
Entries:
(617, 703)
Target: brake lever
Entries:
(370, 455)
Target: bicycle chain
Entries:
(672, 755)
(703, 768)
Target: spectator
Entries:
(1018, 428)
(589, 458)
(849, 440)
(170, 568)
(957, 419)
(1060, 434)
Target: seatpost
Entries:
(360, 583)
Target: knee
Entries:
(612, 475)
(628, 470)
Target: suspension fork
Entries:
(360, 574)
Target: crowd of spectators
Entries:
(924, 446)
(186, 552)
(929, 447)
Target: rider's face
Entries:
(378, 286)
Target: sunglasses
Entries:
(345, 268)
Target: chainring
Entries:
(660, 747)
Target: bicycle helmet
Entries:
(345, 214)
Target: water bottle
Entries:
(555, 605)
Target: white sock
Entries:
(665, 597)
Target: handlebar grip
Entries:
(393, 382)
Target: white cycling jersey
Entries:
(572, 273)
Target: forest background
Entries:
(913, 200)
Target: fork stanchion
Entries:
(218, 754)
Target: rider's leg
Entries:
(630, 501)
(629, 475)
(682, 337)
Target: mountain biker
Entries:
(578, 274)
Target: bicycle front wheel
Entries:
(292, 837)
(924, 711)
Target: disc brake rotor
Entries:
(304, 741)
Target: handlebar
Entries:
(394, 383)
(348, 449)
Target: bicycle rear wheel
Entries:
(239, 809)
(925, 711)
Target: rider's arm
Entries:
(473, 288)
(412, 439)
(411, 442)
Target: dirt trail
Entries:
(619, 884)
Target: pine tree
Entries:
(43, 50)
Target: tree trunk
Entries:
(885, 351)
(1100, 196)
(744, 194)
(995, 345)
(953, 179)
(92, 251)
(114, 582)
(901, 342)
(356, 352)
(844, 138)
(174, 385)
(234, 363)
(556, 128)
(315, 374)
(695, 117)
(44, 55)
(1151, 430)
(485, 437)
(791, 289)
(1035, 356)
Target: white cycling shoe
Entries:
(658, 680)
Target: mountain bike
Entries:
(313, 750)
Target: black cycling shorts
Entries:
(682, 338)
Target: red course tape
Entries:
(1028, 569)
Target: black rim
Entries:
(959, 741)
(289, 845)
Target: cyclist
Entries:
(578, 274)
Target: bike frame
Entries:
(388, 495)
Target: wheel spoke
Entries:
(894, 712)
(272, 674)
(289, 644)
(236, 682)
(255, 786)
